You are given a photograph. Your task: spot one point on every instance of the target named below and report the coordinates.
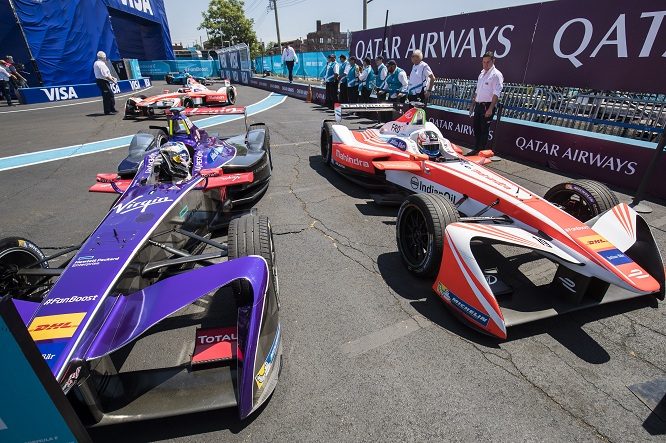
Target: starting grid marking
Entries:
(49, 155)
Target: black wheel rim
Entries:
(414, 236)
(573, 204)
(11, 260)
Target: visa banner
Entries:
(73, 92)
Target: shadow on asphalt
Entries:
(655, 424)
(338, 180)
(567, 329)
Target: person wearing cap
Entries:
(352, 80)
(331, 73)
(382, 72)
(488, 91)
(344, 70)
(289, 57)
(395, 85)
(366, 80)
(421, 79)
(103, 78)
(4, 83)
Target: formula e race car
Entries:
(180, 78)
(193, 95)
(153, 281)
(452, 208)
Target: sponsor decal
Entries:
(615, 257)
(214, 153)
(490, 279)
(443, 291)
(419, 185)
(73, 299)
(568, 284)
(60, 93)
(183, 211)
(55, 326)
(71, 380)
(637, 274)
(398, 143)
(51, 351)
(115, 88)
(351, 160)
(469, 311)
(578, 228)
(595, 242)
(90, 260)
(141, 205)
(265, 369)
(216, 344)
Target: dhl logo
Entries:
(595, 242)
(55, 326)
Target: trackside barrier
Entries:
(73, 92)
(607, 158)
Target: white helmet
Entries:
(176, 162)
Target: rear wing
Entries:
(339, 108)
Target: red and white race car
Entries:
(193, 95)
(455, 211)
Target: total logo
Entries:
(61, 93)
(208, 339)
(140, 205)
(351, 160)
(139, 5)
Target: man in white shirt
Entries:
(103, 78)
(4, 83)
(488, 91)
(421, 79)
(289, 57)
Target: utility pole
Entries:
(365, 13)
(272, 4)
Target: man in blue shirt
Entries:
(331, 73)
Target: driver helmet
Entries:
(175, 162)
(428, 143)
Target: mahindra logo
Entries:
(134, 204)
(352, 160)
(568, 284)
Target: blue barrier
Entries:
(310, 64)
(73, 92)
(157, 69)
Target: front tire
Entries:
(188, 102)
(252, 235)
(18, 253)
(326, 142)
(583, 199)
(420, 227)
(231, 96)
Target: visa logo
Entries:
(61, 93)
(139, 5)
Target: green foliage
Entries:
(225, 20)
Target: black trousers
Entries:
(344, 97)
(481, 125)
(108, 99)
(352, 93)
(4, 87)
(419, 97)
(290, 68)
(331, 93)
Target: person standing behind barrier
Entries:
(331, 73)
(488, 91)
(395, 85)
(4, 84)
(344, 70)
(382, 72)
(366, 80)
(289, 57)
(421, 79)
(103, 78)
(352, 80)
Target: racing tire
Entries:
(188, 102)
(582, 199)
(267, 140)
(252, 235)
(231, 96)
(326, 142)
(18, 253)
(422, 220)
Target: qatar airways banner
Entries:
(609, 45)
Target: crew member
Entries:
(394, 88)
(488, 90)
(382, 72)
(289, 57)
(103, 78)
(4, 84)
(352, 80)
(344, 70)
(331, 73)
(421, 79)
(366, 80)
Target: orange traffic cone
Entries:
(308, 98)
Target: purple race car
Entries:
(171, 269)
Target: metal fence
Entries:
(635, 116)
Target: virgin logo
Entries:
(141, 205)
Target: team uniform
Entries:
(367, 84)
(418, 81)
(331, 72)
(352, 83)
(344, 70)
(490, 83)
(396, 83)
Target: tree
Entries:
(225, 21)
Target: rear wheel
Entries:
(252, 235)
(326, 142)
(583, 199)
(18, 253)
(422, 219)
(188, 102)
(231, 96)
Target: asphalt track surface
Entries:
(370, 353)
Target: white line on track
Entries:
(72, 104)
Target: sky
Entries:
(298, 17)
